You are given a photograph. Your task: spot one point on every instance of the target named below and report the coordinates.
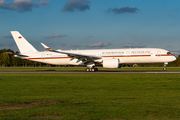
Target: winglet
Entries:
(46, 47)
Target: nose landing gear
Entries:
(165, 66)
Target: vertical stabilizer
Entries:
(23, 45)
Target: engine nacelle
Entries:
(111, 63)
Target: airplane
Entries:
(108, 58)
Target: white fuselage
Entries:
(135, 55)
(108, 58)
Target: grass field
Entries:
(90, 96)
(84, 69)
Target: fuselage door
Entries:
(127, 54)
(159, 53)
(43, 56)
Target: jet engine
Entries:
(111, 63)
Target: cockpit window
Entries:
(169, 53)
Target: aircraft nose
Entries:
(174, 58)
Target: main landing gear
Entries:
(91, 69)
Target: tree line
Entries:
(7, 60)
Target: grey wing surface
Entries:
(81, 57)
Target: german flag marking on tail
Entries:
(20, 37)
(48, 48)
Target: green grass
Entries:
(84, 69)
(90, 96)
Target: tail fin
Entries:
(23, 45)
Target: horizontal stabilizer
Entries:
(19, 55)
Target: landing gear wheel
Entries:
(92, 70)
(95, 69)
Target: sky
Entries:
(92, 24)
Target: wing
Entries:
(81, 57)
